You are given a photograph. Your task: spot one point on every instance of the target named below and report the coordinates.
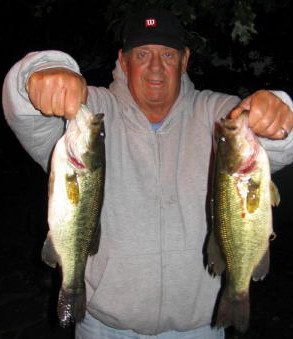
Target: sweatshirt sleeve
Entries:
(36, 132)
(280, 151)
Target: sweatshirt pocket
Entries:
(190, 291)
(128, 295)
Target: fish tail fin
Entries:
(234, 311)
(71, 306)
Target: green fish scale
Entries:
(243, 237)
(75, 240)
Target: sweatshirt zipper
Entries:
(158, 158)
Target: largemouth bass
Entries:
(243, 194)
(76, 187)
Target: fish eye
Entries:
(221, 139)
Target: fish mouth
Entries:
(249, 164)
(250, 147)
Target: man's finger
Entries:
(72, 102)
(234, 114)
(84, 95)
(58, 102)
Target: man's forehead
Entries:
(155, 47)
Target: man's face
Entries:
(154, 74)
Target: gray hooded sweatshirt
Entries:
(149, 272)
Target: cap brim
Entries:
(157, 39)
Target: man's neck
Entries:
(156, 114)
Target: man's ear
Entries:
(122, 61)
(185, 59)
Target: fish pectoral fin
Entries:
(95, 241)
(49, 255)
(72, 188)
(216, 261)
(275, 195)
(262, 268)
(253, 195)
(273, 236)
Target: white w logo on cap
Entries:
(150, 22)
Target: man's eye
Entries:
(141, 55)
(168, 55)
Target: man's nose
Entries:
(156, 64)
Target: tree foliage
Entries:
(226, 38)
(235, 44)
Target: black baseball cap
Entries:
(155, 27)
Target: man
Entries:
(148, 278)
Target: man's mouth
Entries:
(155, 82)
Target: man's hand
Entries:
(57, 91)
(269, 116)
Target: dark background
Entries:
(89, 31)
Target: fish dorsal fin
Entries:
(275, 195)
